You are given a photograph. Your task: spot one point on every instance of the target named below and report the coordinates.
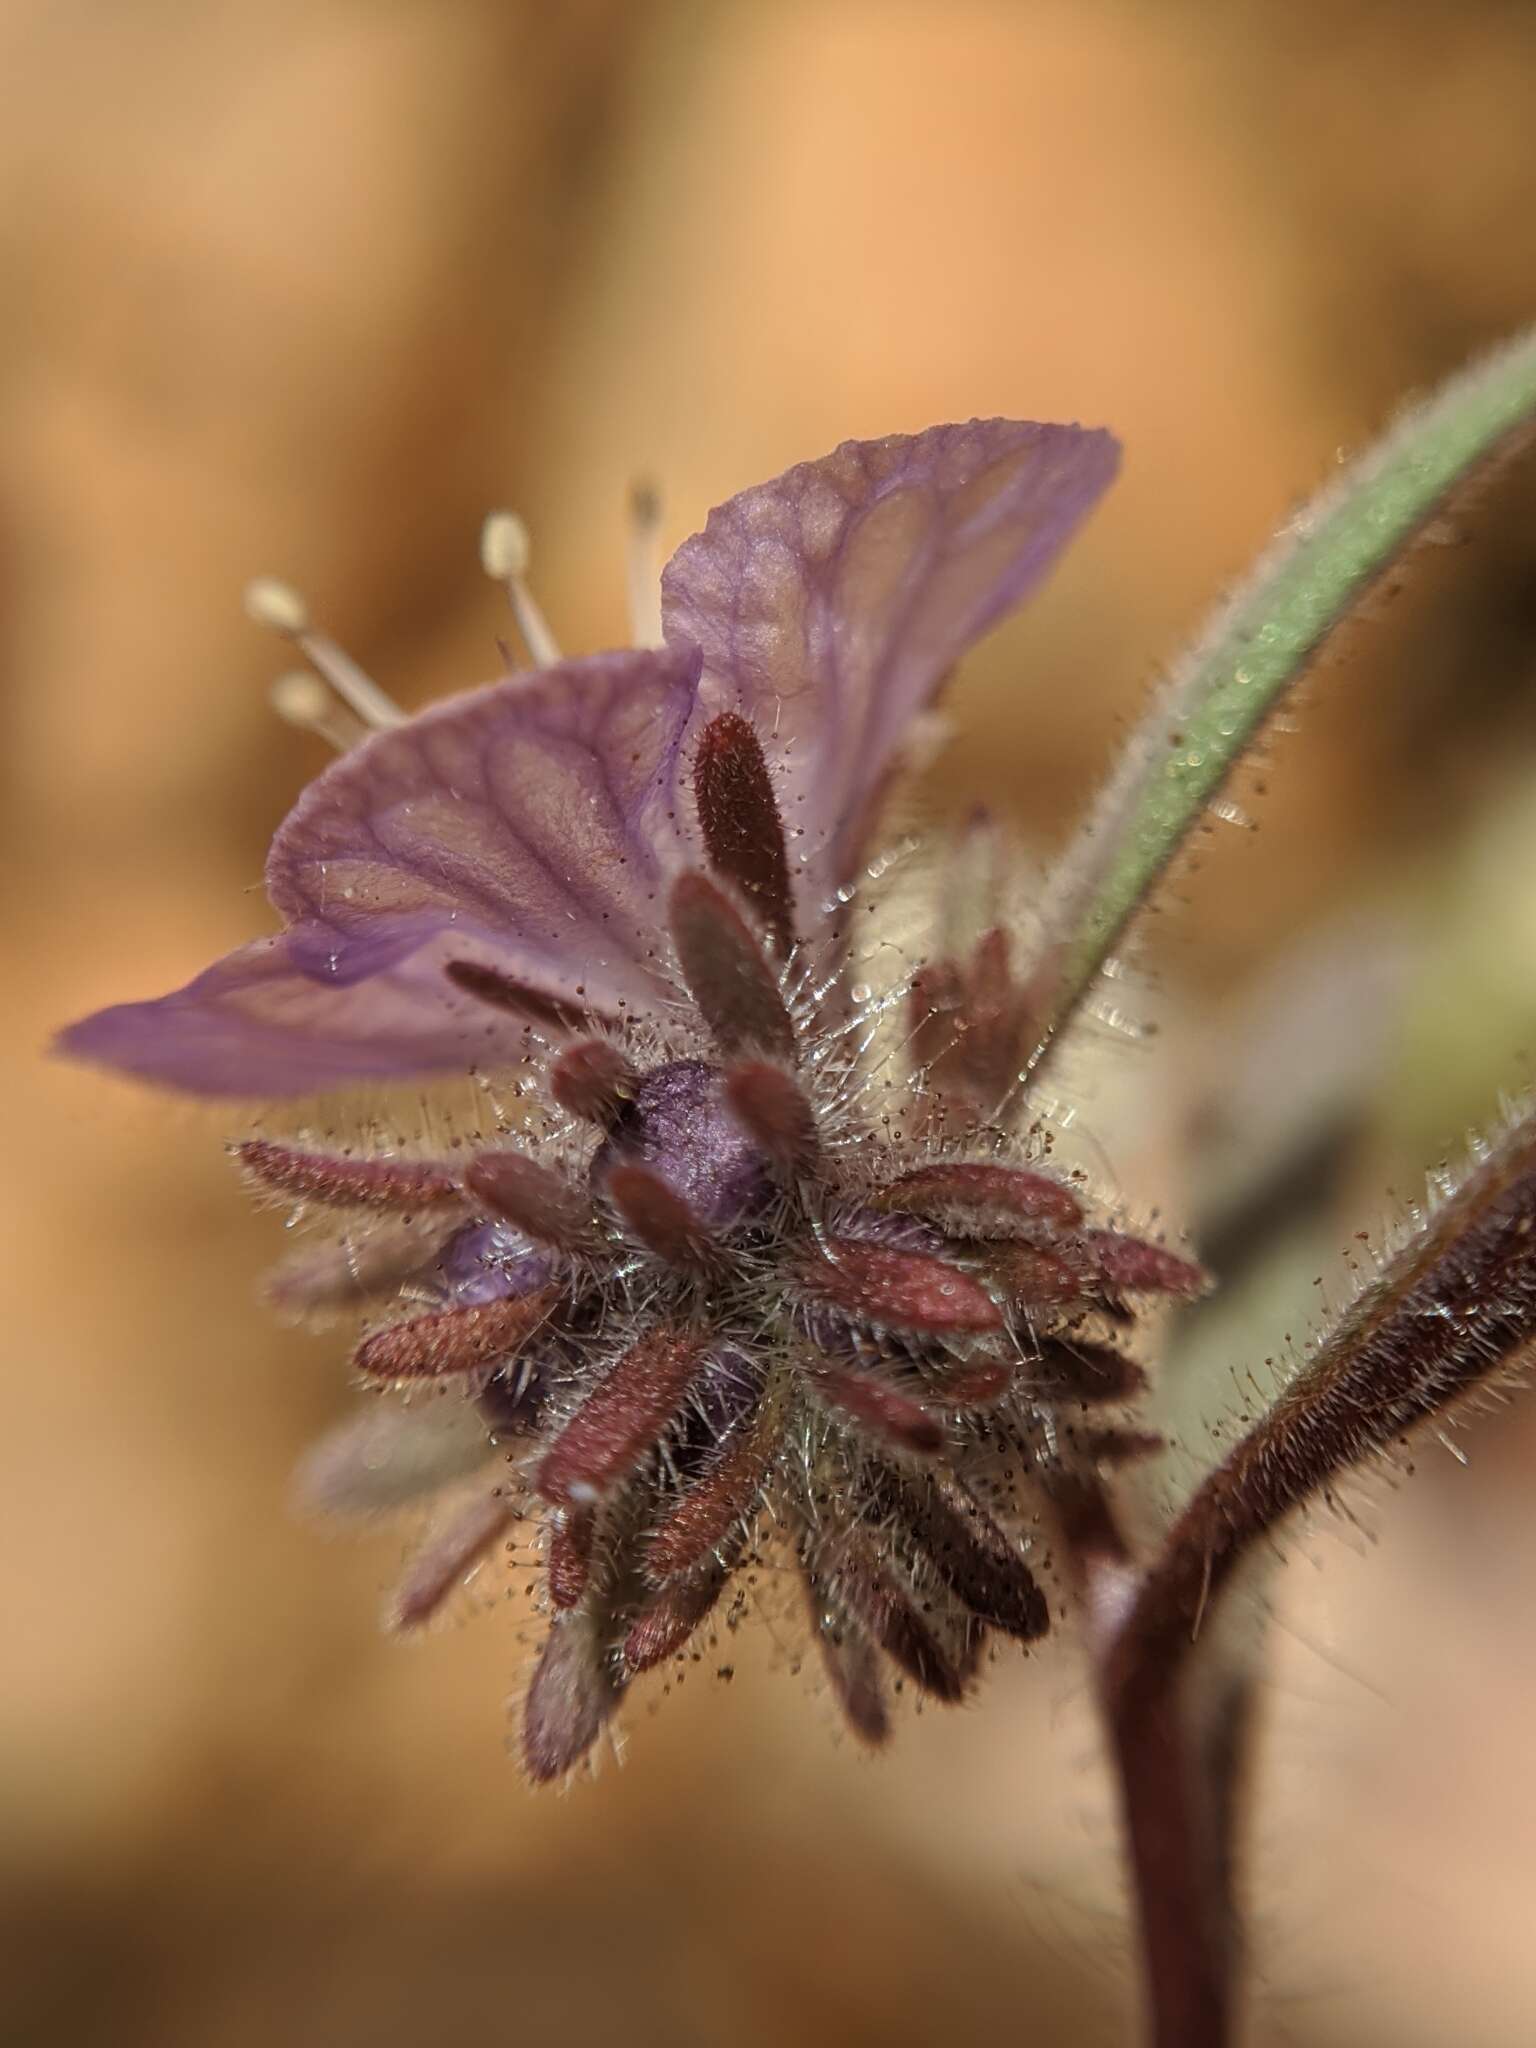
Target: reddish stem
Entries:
(1176, 1770)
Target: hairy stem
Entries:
(1261, 642)
(1174, 1784)
(1451, 1313)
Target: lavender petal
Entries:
(531, 819)
(253, 1025)
(830, 603)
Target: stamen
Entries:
(644, 564)
(727, 974)
(739, 817)
(619, 1422)
(446, 1560)
(280, 608)
(300, 698)
(340, 1182)
(504, 555)
(540, 1202)
(454, 1340)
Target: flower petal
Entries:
(523, 830)
(829, 604)
(252, 1025)
(531, 819)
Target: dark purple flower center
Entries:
(679, 1125)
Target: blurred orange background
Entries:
(307, 288)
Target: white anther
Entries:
(276, 605)
(644, 564)
(504, 546)
(300, 698)
(504, 555)
(279, 607)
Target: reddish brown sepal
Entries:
(1112, 1446)
(992, 1047)
(739, 817)
(901, 1290)
(533, 1005)
(570, 1699)
(729, 976)
(540, 1202)
(717, 1503)
(1081, 1369)
(878, 1406)
(774, 1110)
(657, 1215)
(669, 1619)
(970, 1022)
(933, 1005)
(568, 1557)
(1130, 1265)
(446, 1559)
(982, 1200)
(348, 1183)
(973, 1382)
(618, 1423)
(972, 1555)
(372, 1260)
(453, 1340)
(593, 1080)
(851, 1661)
(891, 1613)
(1030, 1278)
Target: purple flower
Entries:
(531, 829)
(758, 1260)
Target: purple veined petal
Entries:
(533, 818)
(252, 1025)
(525, 828)
(829, 604)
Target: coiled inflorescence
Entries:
(736, 1313)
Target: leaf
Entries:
(1261, 641)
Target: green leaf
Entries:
(1263, 640)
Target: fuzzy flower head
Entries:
(760, 1268)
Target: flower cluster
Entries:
(762, 1258)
